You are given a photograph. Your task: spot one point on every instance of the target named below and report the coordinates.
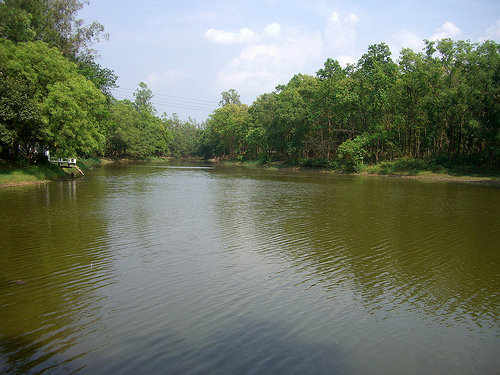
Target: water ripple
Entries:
(197, 271)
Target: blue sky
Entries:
(189, 51)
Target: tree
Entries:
(15, 23)
(137, 133)
(411, 90)
(230, 97)
(375, 76)
(186, 136)
(103, 78)
(124, 133)
(334, 108)
(74, 114)
(55, 22)
(483, 72)
(143, 96)
(37, 85)
(52, 21)
(353, 152)
(226, 131)
(262, 113)
(287, 132)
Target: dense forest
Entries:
(441, 101)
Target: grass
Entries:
(21, 174)
(440, 167)
(437, 167)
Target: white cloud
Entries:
(260, 67)
(493, 32)
(276, 53)
(339, 32)
(448, 30)
(272, 31)
(243, 36)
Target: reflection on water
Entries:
(196, 269)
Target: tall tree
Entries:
(143, 96)
(43, 96)
(186, 135)
(230, 97)
(334, 107)
(375, 75)
(103, 78)
(226, 131)
(135, 130)
(55, 22)
(74, 116)
(16, 23)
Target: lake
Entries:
(196, 268)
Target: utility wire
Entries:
(181, 104)
(170, 96)
(172, 100)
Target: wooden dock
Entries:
(66, 163)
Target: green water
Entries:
(202, 269)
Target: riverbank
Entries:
(17, 174)
(403, 168)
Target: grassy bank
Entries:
(439, 168)
(14, 174)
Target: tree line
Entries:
(444, 100)
(54, 95)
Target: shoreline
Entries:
(421, 175)
(88, 164)
(16, 174)
(471, 179)
(24, 183)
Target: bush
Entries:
(353, 152)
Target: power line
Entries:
(172, 100)
(180, 105)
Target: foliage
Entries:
(143, 96)
(226, 131)
(72, 115)
(441, 102)
(441, 164)
(103, 78)
(53, 21)
(353, 151)
(186, 136)
(45, 101)
(444, 100)
(135, 130)
(50, 83)
(230, 97)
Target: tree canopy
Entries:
(444, 100)
(45, 101)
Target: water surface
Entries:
(200, 269)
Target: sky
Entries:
(188, 51)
